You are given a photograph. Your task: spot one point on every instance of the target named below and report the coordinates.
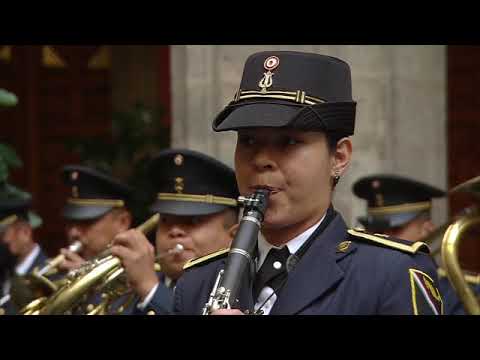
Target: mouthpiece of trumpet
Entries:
(76, 246)
(178, 248)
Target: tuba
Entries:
(102, 274)
(449, 250)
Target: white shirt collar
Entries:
(22, 268)
(167, 281)
(293, 245)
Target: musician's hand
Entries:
(227, 312)
(72, 260)
(138, 258)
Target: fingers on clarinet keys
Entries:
(258, 312)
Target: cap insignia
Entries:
(178, 160)
(271, 63)
(179, 185)
(379, 200)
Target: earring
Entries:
(336, 178)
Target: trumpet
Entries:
(26, 287)
(75, 247)
(116, 286)
(103, 273)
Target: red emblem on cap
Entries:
(271, 63)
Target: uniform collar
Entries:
(23, 267)
(293, 245)
(318, 270)
(168, 282)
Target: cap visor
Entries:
(255, 115)
(78, 212)
(186, 208)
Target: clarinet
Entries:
(240, 257)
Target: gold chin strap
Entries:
(398, 209)
(8, 220)
(98, 202)
(209, 199)
(298, 96)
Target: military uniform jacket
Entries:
(161, 303)
(343, 272)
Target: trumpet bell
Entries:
(471, 186)
(25, 289)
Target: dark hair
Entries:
(332, 140)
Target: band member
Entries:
(197, 203)
(22, 252)
(294, 115)
(96, 211)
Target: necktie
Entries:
(273, 271)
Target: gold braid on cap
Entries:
(8, 220)
(398, 209)
(209, 199)
(298, 96)
(94, 202)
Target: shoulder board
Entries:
(206, 258)
(385, 240)
(469, 278)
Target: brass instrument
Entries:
(449, 250)
(28, 287)
(434, 239)
(116, 286)
(98, 272)
(469, 277)
(472, 186)
(450, 243)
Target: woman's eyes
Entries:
(288, 141)
(247, 140)
(195, 220)
(283, 141)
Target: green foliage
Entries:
(7, 98)
(8, 159)
(136, 135)
(8, 156)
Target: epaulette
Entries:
(206, 258)
(469, 278)
(385, 240)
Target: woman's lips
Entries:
(273, 190)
